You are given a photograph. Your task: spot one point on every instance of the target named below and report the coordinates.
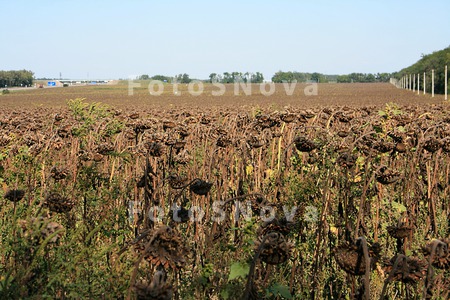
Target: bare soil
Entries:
(353, 95)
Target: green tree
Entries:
(370, 78)
(435, 61)
(281, 76)
(185, 78)
(257, 77)
(318, 77)
(213, 77)
(383, 77)
(16, 78)
(343, 79)
(226, 77)
(162, 78)
(236, 76)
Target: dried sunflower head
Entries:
(304, 144)
(265, 121)
(155, 149)
(274, 248)
(176, 181)
(401, 147)
(431, 144)
(441, 255)
(445, 143)
(164, 247)
(288, 117)
(406, 269)
(200, 187)
(399, 231)
(57, 203)
(383, 146)
(346, 160)
(396, 135)
(350, 257)
(387, 176)
(14, 195)
(168, 125)
(140, 127)
(255, 142)
(280, 225)
(59, 173)
(223, 141)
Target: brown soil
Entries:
(356, 95)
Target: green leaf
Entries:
(398, 207)
(382, 113)
(281, 290)
(224, 294)
(238, 269)
(397, 112)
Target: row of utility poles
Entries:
(409, 81)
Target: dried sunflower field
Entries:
(274, 201)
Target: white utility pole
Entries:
(424, 88)
(418, 84)
(446, 83)
(432, 83)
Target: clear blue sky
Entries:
(116, 39)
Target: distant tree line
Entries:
(180, 78)
(435, 61)
(279, 77)
(227, 77)
(323, 78)
(364, 77)
(16, 78)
